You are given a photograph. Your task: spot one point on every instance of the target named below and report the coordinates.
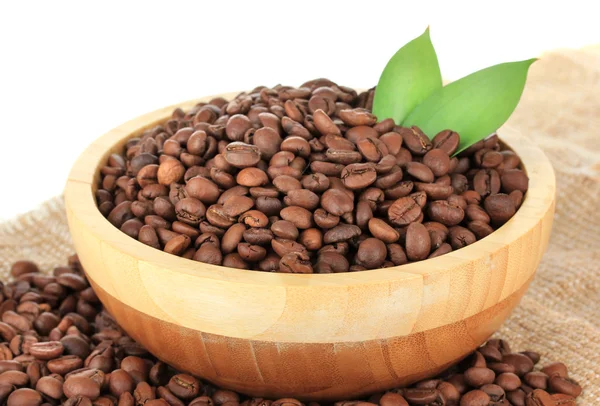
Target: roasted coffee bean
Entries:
(441, 250)
(340, 233)
(324, 219)
(445, 213)
(418, 396)
(420, 172)
(475, 398)
(556, 368)
(522, 363)
(508, 381)
(404, 211)
(295, 262)
(500, 207)
(302, 198)
(383, 231)
(298, 216)
(561, 399)
(480, 229)
(337, 202)
(537, 380)
(447, 141)
(487, 182)
(539, 398)
(184, 386)
(564, 385)
(371, 253)
(418, 242)
(313, 156)
(478, 376)
(359, 176)
(258, 236)
(81, 386)
(415, 140)
(24, 397)
(460, 237)
(46, 350)
(23, 267)
(435, 191)
(514, 179)
(202, 189)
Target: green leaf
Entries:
(474, 106)
(409, 77)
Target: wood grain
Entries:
(303, 331)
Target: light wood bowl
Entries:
(314, 337)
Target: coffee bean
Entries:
(298, 216)
(443, 212)
(539, 398)
(537, 380)
(418, 396)
(522, 363)
(324, 219)
(508, 381)
(499, 207)
(404, 211)
(359, 176)
(81, 386)
(487, 182)
(23, 267)
(420, 172)
(295, 262)
(342, 232)
(46, 350)
(478, 377)
(313, 156)
(460, 237)
(184, 386)
(50, 386)
(514, 179)
(480, 229)
(383, 231)
(447, 141)
(516, 397)
(475, 398)
(285, 229)
(435, 191)
(561, 399)
(556, 368)
(415, 140)
(392, 399)
(371, 253)
(418, 242)
(24, 397)
(16, 378)
(302, 198)
(311, 238)
(564, 385)
(438, 161)
(337, 202)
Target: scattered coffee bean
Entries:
(89, 360)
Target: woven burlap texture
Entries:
(560, 314)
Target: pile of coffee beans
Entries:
(59, 346)
(304, 180)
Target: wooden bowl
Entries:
(313, 337)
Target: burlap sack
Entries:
(560, 314)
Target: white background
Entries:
(70, 71)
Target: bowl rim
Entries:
(80, 202)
